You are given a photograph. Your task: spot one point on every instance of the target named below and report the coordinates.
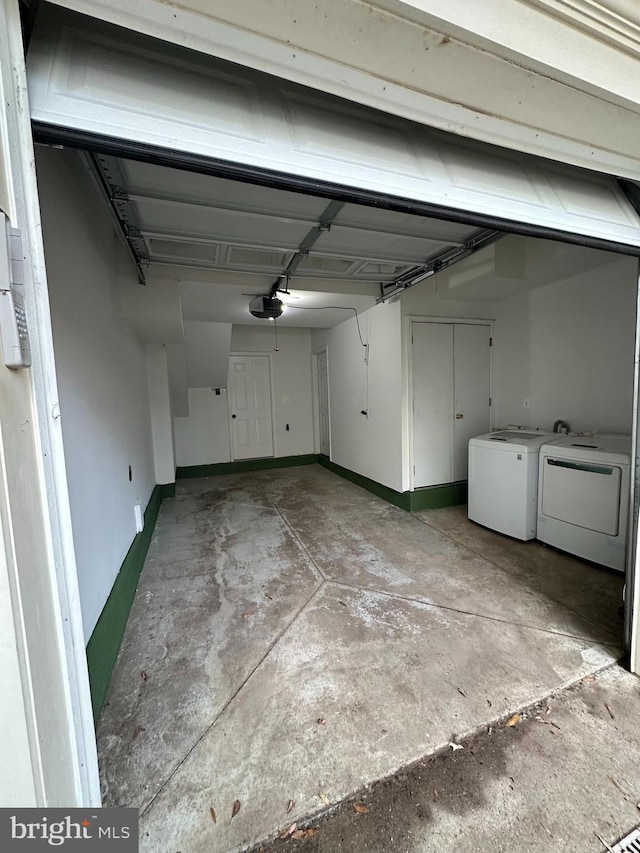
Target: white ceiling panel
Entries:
(356, 242)
(178, 218)
(147, 179)
(230, 304)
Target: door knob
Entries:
(459, 416)
(233, 416)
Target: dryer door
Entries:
(582, 494)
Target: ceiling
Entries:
(227, 241)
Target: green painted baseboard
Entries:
(400, 499)
(244, 465)
(432, 497)
(104, 643)
(437, 497)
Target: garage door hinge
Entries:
(490, 342)
(489, 400)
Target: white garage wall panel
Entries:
(567, 348)
(370, 446)
(102, 376)
(202, 438)
(99, 79)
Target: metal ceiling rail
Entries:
(119, 206)
(440, 262)
(326, 220)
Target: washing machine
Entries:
(503, 481)
(583, 497)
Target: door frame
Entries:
(315, 397)
(267, 355)
(61, 738)
(408, 436)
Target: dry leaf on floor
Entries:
(144, 676)
(322, 721)
(213, 814)
(436, 795)
(138, 731)
(324, 798)
(289, 831)
(455, 746)
(301, 834)
(611, 714)
(236, 808)
(513, 721)
(290, 805)
(461, 692)
(360, 808)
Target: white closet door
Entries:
(471, 382)
(432, 403)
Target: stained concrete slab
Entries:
(218, 588)
(376, 545)
(245, 645)
(566, 774)
(387, 675)
(591, 591)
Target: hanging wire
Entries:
(333, 308)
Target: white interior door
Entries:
(323, 403)
(432, 374)
(471, 383)
(250, 407)
(45, 713)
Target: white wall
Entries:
(568, 349)
(372, 445)
(102, 377)
(203, 437)
(160, 413)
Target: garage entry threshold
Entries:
(295, 638)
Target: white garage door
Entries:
(101, 81)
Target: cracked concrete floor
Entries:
(300, 638)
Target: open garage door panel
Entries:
(92, 81)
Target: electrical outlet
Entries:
(139, 517)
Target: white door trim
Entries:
(408, 476)
(316, 397)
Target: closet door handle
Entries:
(459, 416)
(233, 416)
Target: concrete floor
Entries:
(566, 777)
(295, 638)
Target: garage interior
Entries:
(293, 636)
